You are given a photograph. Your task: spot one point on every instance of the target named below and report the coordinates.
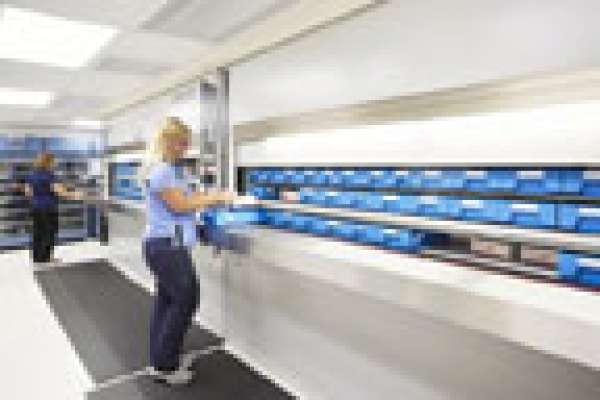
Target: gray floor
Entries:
(106, 318)
(217, 377)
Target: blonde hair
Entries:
(157, 149)
(45, 161)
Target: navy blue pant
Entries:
(177, 295)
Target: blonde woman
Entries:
(43, 189)
(170, 231)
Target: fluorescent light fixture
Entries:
(87, 123)
(34, 37)
(16, 97)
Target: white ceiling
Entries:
(157, 39)
(398, 47)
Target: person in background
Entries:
(170, 232)
(43, 190)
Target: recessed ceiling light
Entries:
(34, 37)
(17, 97)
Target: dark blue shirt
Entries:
(41, 182)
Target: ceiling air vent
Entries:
(210, 20)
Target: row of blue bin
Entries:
(400, 239)
(576, 267)
(574, 217)
(545, 181)
(579, 268)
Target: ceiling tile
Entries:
(120, 13)
(18, 115)
(32, 76)
(101, 84)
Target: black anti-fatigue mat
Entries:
(106, 317)
(217, 377)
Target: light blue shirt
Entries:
(162, 222)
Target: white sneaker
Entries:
(177, 377)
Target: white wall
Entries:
(141, 123)
(414, 46)
(556, 135)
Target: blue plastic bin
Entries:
(578, 181)
(401, 178)
(370, 201)
(451, 207)
(347, 230)
(323, 227)
(579, 267)
(280, 219)
(500, 211)
(298, 177)
(316, 177)
(358, 178)
(348, 177)
(264, 193)
(430, 206)
(335, 178)
(342, 199)
(371, 234)
(452, 179)
(311, 196)
(501, 180)
(253, 176)
(400, 204)
(381, 179)
(477, 210)
(579, 217)
(264, 176)
(277, 177)
(476, 180)
(428, 179)
(538, 181)
(302, 223)
(533, 215)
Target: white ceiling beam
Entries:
(304, 16)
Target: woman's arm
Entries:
(178, 201)
(62, 191)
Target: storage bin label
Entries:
(525, 207)
(309, 172)
(347, 173)
(391, 231)
(472, 203)
(401, 173)
(476, 174)
(391, 198)
(589, 212)
(428, 199)
(377, 173)
(432, 173)
(329, 173)
(530, 174)
(590, 262)
(595, 175)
